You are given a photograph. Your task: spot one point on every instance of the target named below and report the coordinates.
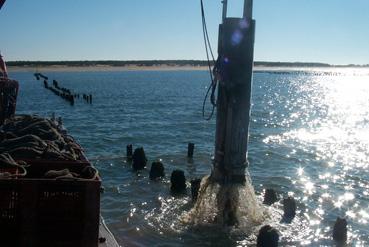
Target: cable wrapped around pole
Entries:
(213, 78)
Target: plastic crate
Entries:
(49, 212)
(8, 98)
(38, 167)
(11, 170)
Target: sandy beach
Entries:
(102, 68)
(99, 68)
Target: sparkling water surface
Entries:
(309, 138)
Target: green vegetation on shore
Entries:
(147, 63)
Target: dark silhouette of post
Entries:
(225, 5)
(190, 149)
(129, 152)
(234, 65)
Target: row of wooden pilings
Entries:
(157, 171)
(268, 236)
(63, 92)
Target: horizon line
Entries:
(152, 62)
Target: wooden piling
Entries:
(235, 65)
(195, 187)
(270, 197)
(46, 84)
(178, 182)
(129, 152)
(267, 237)
(340, 230)
(289, 209)
(157, 170)
(139, 159)
(190, 149)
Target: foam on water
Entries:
(222, 204)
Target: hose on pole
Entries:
(209, 53)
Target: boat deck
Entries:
(107, 235)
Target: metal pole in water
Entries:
(235, 65)
(224, 15)
(247, 9)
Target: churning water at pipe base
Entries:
(228, 205)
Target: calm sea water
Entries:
(309, 138)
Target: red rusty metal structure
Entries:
(2, 3)
(8, 98)
(8, 93)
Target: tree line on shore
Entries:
(148, 63)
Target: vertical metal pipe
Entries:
(224, 16)
(247, 9)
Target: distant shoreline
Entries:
(105, 68)
(100, 68)
(164, 65)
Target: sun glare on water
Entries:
(332, 127)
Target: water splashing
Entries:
(231, 204)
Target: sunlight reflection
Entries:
(324, 186)
(348, 196)
(364, 214)
(309, 186)
(326, 121)
(338, 204)
(325, 195)
(300, 171)
(350, 214)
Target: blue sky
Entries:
(332, 31)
